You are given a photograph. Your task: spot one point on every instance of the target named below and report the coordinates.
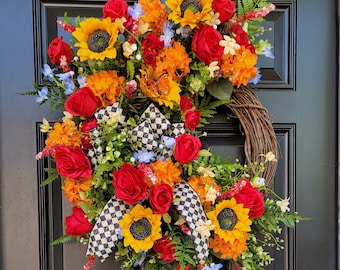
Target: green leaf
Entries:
(130, 69)
(62, 239)
(220, 89)
(49, 180)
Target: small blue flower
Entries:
(48, 72)
(119, 233)
(136, 11)
(81, 80)
(184, 31)
(213, 266)
(140, 260)
(168, 141)
(168, 34)
(69, 85)
(144, 156)
(42, 95)
(257, 78)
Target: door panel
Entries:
(299, 89)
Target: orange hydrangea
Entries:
(227, 250)
(155, 14)
(106, 85)
(73, 189)
(239, 68)
(174, 61)
(203, 185)
(65, 133)
(166, 172)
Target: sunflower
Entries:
(231, 220)
(96, 39)
(189, 12)
(140, 228)
(163, 89)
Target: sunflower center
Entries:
(141, 229)
(98, 41)
(193, 5)
(227, 219)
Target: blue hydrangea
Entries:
(144, 156)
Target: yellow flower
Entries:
(96, 39)
(189, 12)
(163, 90)
(140, 228)
(45, 126)
(231, 220)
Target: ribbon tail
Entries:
(105, 232)
(190, 208)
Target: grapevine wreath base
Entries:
(258, 130)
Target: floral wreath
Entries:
(136, 88)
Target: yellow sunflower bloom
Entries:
(189, 12)
(96, 39)
(231, 220)
(140, 228)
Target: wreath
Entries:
(136, 88)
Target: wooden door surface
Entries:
(299, 89)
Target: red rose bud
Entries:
(250, 197)
(57, 49)
(160, 199)
(186, 148)
(77, 224)
(205, 44)
(185, 104)
(152, 42)
(226, 9)
(82, 102)
(130, 184)
(72, 162)
(192, 119)
(165, 248)
(149, 58)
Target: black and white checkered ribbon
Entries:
(103, 115)
(153, 125)
(105, 232)
(189, 206)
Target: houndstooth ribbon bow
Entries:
(189, 206)
(153, 125)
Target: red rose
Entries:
(82, 102)
(57, 49)
(149, 57)
(185, 103)
(152, 41)
(186, 148)
(205, 44)
(192, 119)
(161, 198)
(72, 162)
(250, 197)
(87, 125)
(226, 9)
(116, 9)
(165, 248)
(77, 224)
(130, 185)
